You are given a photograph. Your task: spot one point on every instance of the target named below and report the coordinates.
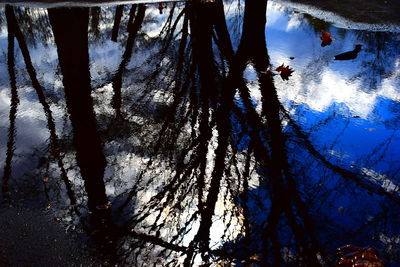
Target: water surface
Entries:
(166, 134)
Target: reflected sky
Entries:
(171, 138)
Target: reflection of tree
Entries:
(284, 195)
(71, 37)
(288, 232)
(215, 100)
(13, 109)
(317, 24)
(384, 51)
(34, 24)
(95, 14)
(219, 182)
(54, 141)
(117, 21)
(133, 31)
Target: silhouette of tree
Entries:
(288, 228)
(54, 141)
(13, 109)
(71, 38)
(95, 17)
(133, 31)
(117, 21)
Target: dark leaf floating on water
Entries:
(326, 38)
(285, 71)
(349, 55)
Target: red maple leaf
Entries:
(285, 71)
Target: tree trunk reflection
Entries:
(13, 109)
(70, 29)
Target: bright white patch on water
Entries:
(107, 58)
(386, 182)
(295, 20)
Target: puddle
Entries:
(186, 134)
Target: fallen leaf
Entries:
(371, 129)
(57, 219)
(281, 67)
(46, 179)
(285, 71)
(48, 206)
(326, 38)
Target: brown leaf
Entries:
(48, 206)
(285, 71)
(326, 38)
(325, 35)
